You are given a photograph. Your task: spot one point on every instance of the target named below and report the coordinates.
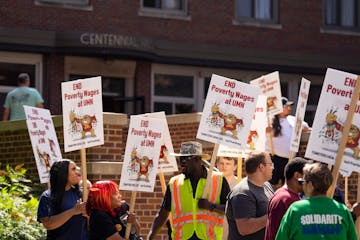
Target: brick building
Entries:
(160, 54)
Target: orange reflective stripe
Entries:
(218, 221)
(213, 190)
(178, 232)
(176, 197)
(211, 231)
(199, 217)
(182, 219)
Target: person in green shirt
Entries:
(317, 217)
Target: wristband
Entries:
(213, 206)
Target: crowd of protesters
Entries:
(278, 198)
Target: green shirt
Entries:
(317, 218)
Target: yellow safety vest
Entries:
(187, 217)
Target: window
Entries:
(164, 4)
(164, 8)
(341, 14)
(12, 64)
(256, 10)
(174, 93)
(112, 88)
(78, 4)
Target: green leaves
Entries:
(17, 207)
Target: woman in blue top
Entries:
(60, 208)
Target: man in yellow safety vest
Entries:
(193, 217)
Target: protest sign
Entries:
(43, 139)
(300, 114)
(167, 162)
(332, 110)
(257, 135)
(142, 154)
(270, 87)
(228, 112)
(82, 113)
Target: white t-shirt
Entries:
(281, 143)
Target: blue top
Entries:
(75, 228)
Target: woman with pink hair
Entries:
(108, 213)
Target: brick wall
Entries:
(104, 162)
(121, 17)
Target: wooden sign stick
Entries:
(212, 164)
(239, 168)
(132, 207)
(345, 133)
(346, 190)
(163, 189)
(84, 174)
(291, 155)
(270, 134)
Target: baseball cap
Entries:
(286, 101)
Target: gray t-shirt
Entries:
(247, 200)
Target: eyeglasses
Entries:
(270, 163)
(301, 181)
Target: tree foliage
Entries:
(18, 207)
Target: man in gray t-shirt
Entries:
(246, 208)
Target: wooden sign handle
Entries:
(239, 168)
(132, 207)
(212, 164)
(84, 174)
(270, 134)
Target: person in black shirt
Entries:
(109, 214)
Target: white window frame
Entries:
(24, 58)
(181, 14)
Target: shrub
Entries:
(17, 207)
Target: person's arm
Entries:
(247, 226)
(160, 219)
(56, 221)
(115, 236)
(6, 114)
(162, 215)
(133, 220)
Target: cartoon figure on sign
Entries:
(331, 122)
(253, 136)
(44, 158)
(298, 127)
(352, 141)
(52, 147)
(270, 102)
(87, 123)
(163, 153)
(230, 121)
(144, 164)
